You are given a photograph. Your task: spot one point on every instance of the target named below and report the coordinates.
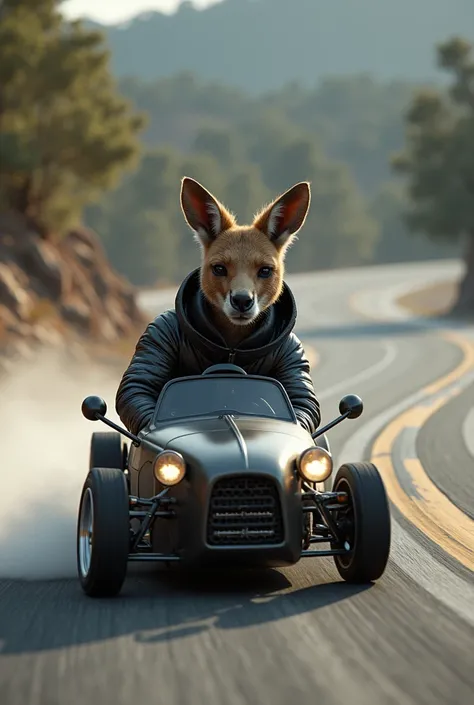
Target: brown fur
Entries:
(243, 251)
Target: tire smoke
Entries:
(45, 444)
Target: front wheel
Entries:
(364, 523)
(103, 532)
(107, 450)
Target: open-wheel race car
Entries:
(224, 475)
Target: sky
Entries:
(114, 11)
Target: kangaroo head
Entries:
(242, 266)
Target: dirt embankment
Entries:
(63, 295)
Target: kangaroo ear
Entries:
(203, 213)
(282, 219)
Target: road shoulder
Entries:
(432, 300)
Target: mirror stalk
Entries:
(328, 426)
(135, 440)
(350, 407)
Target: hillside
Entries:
(66, 136)
(262, 44)
(63, 295)
(339, 135)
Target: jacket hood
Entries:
(195, 318)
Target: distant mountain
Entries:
(263, 44)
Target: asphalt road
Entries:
(298, 635)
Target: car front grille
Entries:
(245, 511)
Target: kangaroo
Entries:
(242, 267)
(235, 307)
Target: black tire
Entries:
(107, 450)
(368, 523)
(103, 567)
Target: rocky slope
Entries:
(64, 294)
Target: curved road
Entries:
(299, 635)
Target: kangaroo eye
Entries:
(265, 272)
(219, 270)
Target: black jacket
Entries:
(183, 342)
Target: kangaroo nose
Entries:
(242, 301)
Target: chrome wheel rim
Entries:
(86, 526)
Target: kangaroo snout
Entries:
(242, 301)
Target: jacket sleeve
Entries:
(293, 371)
(152, 365)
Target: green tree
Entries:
(359, 121)
(396, 243)
(245, 192)
(66, 134)
(438, 161)
(136, 222)
(223, 144)
(246, 149)
(338, 231)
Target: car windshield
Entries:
(205, 396)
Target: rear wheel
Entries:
(364, 522)
(107, 450)
(103, 532)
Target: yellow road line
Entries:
(431, 512)
(467, 363)
(456, 525)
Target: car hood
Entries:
(235, 444)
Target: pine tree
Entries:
(66, 134)
(438, 161)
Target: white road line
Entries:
(379, 367)
(468, 432)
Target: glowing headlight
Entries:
(315, 464)
(169, 468)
